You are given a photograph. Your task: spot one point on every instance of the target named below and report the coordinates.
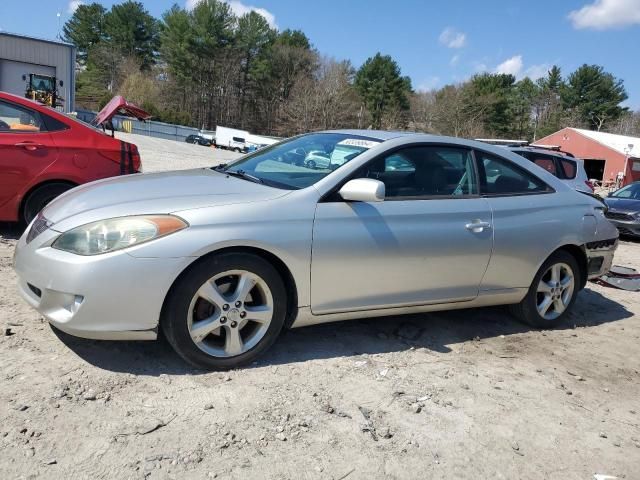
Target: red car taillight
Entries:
(590, 185)
(137, 161)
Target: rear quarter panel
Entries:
(86, 155)
(528, 228)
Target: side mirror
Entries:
(363, 190)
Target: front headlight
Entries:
(116, 233)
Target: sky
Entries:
(435, 42)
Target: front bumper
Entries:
(627, 228)
(114, 296)
(600, 257)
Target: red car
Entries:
(44, 153)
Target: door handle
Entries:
(477, 226)
(31, 146)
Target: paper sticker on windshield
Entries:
(358, 142)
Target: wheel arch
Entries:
(278, 264)
(579, 253)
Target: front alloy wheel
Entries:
(225, 311)
(230, 313)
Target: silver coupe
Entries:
(222, 259)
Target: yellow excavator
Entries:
(43, 89)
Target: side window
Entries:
(501, 177)
(425, 171)
(569, 167)
(545, 161)
(18, 119)
(397, 163)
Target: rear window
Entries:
(547, 163)
(569, 167)
(501, 177)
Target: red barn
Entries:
(605, 155)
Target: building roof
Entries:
(623, 144)
(37, 39)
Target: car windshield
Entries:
(630, 191)
(301, 161)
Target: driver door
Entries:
(417, 247)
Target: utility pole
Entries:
(59, 34)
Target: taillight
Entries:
(137, 161)
(590, 185)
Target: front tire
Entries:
(552, 293)
(225, 311)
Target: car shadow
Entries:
(10, 231)
(431, 331)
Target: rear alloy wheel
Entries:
(226, 311)
(552, 292)
(555, 291)
(40, 198)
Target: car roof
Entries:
(382, 135)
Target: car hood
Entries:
(166, 192)
(623, 204)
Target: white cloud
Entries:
(73, 5)
(240, 9)
(515, 66)
(452, 38)
(429, 84)
(454, 60)
(512, 66)
(479, 67)
(534, 72)
(604, 14)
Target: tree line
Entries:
(206, 66)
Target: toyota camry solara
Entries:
(222, 259)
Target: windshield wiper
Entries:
(244, 175)
(220, 167)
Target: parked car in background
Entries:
(567, 168)
(223, 259)
(560, 164)
(44, 153)
(199, 140)
(624, 209)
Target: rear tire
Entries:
(240, 318)
(552, 293)
(40, 198)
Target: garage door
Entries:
(11, 73)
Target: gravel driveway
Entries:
(158, 154)
(471, 394)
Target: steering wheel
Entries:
(4, 125)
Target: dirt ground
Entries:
(458, 395)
